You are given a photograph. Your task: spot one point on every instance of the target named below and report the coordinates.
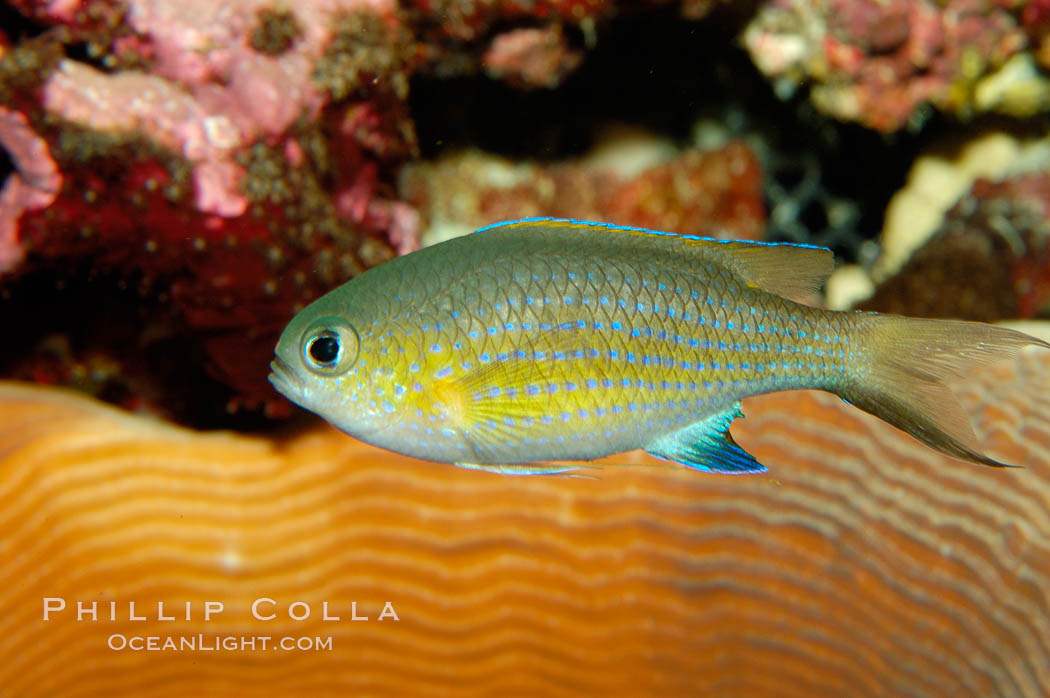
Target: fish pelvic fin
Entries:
(707, 445)
(907, 370)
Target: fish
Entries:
(531, 345)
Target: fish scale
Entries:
(547, 340)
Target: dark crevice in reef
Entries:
(7, 165)
(16, 26)
(114, 344)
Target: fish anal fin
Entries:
(707, 445)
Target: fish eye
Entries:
(329, 346)
(324, 348)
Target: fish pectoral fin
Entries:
(500, 402)
(707, 445)
(520, 468)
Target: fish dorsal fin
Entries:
(793, 271)
(707, 445)
(790, 270)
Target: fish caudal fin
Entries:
(908, 365)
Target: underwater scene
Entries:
(525, 348)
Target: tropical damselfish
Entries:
(530, 343)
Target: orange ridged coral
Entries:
(863, 564)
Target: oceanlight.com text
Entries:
(217, 643)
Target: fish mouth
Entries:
(286, 382)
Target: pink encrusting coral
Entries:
(209, 91)
(165, 113)
(878, 62)
(33, 185)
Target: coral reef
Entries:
(882, 63)
(863, 564)
(631, 178)
(219, 164)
